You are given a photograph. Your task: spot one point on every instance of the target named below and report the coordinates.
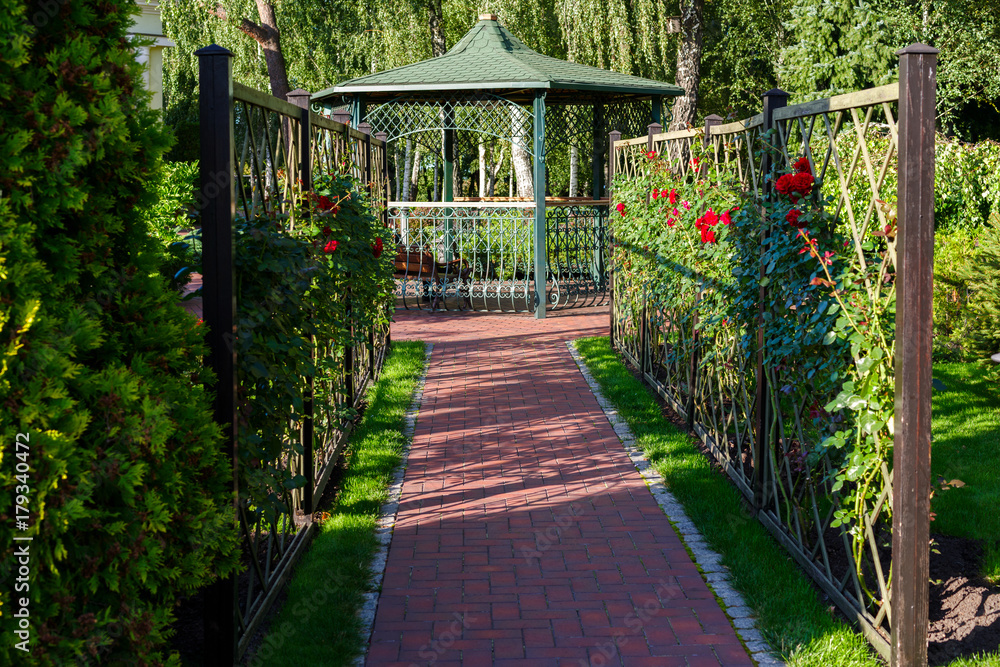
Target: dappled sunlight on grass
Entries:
(966, 447)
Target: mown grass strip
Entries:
(318, 624)
(789, 612)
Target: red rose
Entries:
(726, 217)
(656, 192)
(784, 184)
(803, 183)
(707, 235)
(802, 165)
(327, 231)
(377, 247)
(330, 247)
(673, 196)
(793, 218)
(650, 154)
(621, 208)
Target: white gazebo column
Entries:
(149, 26)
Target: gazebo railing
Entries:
(479, 255)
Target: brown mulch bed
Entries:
(964, 607)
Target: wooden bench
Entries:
(419, 264)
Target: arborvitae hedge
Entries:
(98, 365)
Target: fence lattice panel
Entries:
(851, 144)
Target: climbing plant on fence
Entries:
(755, 273)
(296, 299)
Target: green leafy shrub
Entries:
(966, 177)
(305, 292)
(966, 184)
(967, 294)
(954, 255)
(99, 367)
(173, 210)
(984, 288)
(172, 217)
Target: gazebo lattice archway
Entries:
(464, 246)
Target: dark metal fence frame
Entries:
(908, 602)
(312, 142)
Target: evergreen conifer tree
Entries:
(101, 372)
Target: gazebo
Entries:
(492, 93)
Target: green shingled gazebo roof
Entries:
(490, 58)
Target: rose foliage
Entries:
(696, 248)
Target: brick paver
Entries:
(525, 536)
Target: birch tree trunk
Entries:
(688, 64)
(415, 174)
(399, 173)
(493, 172)
(437, 166)
(574, 170)
(435, 16)
(482, 170)
(405, 194)
(519, 155)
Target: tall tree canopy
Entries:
(812, 48)
(835, 46)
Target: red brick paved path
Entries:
(525, 536)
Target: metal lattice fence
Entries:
(463, 255)
(260, 156)
(753, 411)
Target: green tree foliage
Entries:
(836, 46)
(100, 369)
(743, 42)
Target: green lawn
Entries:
(966, 446)
(317, 624)
(790, 614)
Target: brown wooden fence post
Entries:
(614, 136)
(215, 110)
(651, 131)
(914, 290)
(300, 98)
(773, 99)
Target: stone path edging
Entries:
(388, 518)
(714, 573)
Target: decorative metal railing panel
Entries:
(851, 144)
(464, 255)
(275, 152)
